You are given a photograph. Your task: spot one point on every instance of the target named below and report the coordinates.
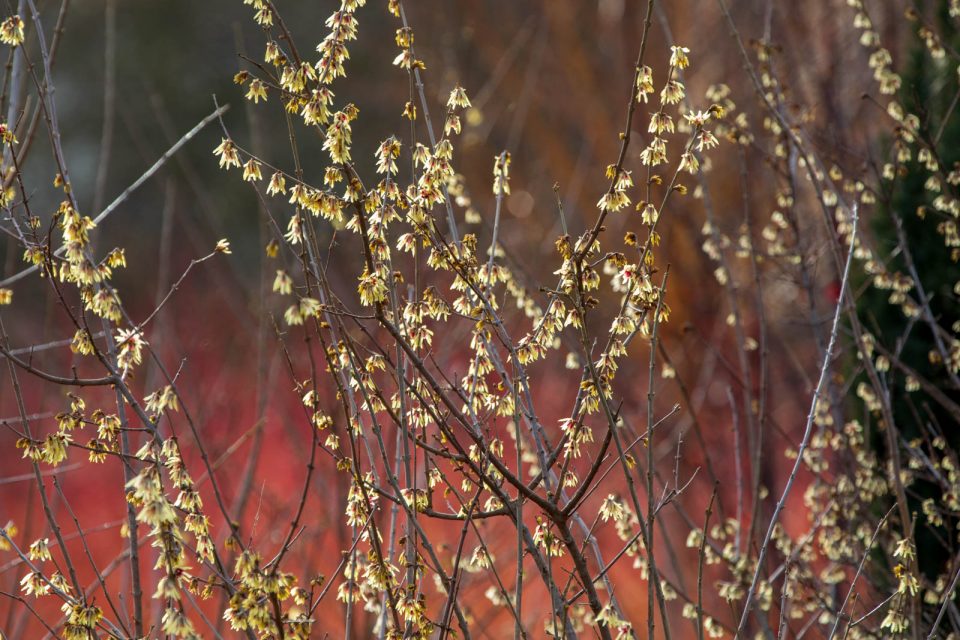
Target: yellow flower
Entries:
(34, 585)
(706, 140)
(678, 57)
(11, 31)
(257, 91)
(8, 530)
(697, 119)
(613, 201)
(387, 155)
(7, 134)
(650, 214)
(452, 124)
(131, 343)
(660, 122)
(40, 550)
(174, 621)
(306, 308)
(672, 93)
(278, 184)
(55, 448)
(264, 17)
(655, 153)
(689, 162)
(251, 171)
(612, 508)
(458, 99)
(272, 54)
(283, 284)
(228, 154)
(338, 138)
(372, 288)
(404, 37)
(501, 174)
(117, 258)
(644, 83)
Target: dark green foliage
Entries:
(929, 89)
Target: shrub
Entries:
(506, 451)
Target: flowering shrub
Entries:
(474, 498)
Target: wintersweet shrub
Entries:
(473, 498)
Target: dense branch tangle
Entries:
(442, 444)
(432, 447)
(383, 359)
